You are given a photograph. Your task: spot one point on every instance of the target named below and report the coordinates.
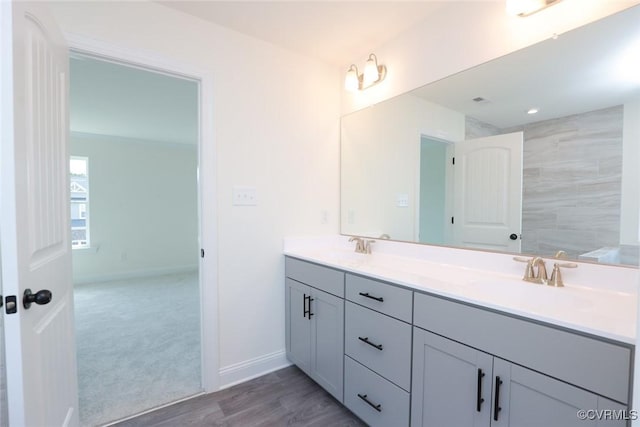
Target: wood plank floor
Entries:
(282, 398)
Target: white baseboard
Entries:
(252, 368)
(134, 274)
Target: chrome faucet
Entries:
(362, 246)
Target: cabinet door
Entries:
(530, 399)
(298, 325)
(451, 383)
(327, 336)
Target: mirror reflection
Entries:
(534, 152)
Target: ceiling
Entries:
(589, 68)
(336, 32)
(111, 99)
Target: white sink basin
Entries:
(535, 297)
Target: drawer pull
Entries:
(373, 405)
(366, 295)
(479, 399)
(496, 402)
(366, 340)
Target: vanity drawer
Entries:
(388, 299)
(599, 366)
(379, 342)
(323, 278)
(393, 401)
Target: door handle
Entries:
(41, 297)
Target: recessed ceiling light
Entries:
(532, 111)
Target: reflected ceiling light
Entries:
(532, 111)
(372, 75)
(527, 7)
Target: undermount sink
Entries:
(537, 297)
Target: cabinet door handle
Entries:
(479, 399)
(366, 340)
(306, 309)
(304, 305)
(373, 405)
(309, 312)
(496, 402)
(366, 295)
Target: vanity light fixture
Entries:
(527, 7)
(372, 75)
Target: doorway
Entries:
(135, 233)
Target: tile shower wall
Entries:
(571, 181)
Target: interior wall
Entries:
(143, 208)
(276, 122)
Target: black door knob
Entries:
(513, 236)
(41, 298)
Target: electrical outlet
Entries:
(402, 200)
(244, 196)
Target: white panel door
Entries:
(488, 192)
(34, 219)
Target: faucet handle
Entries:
(556, 277)
(368, 244)
(560, 255)
(528, 272)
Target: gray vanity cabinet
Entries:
(572, 372)
(456, 385)
(377, 351)
(530, 399)
(451, 383)
(315, 323)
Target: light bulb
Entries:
(351, 81)
(370, 72)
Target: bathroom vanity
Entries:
(404, 341)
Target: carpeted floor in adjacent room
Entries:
(138, 344)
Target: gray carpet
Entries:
(138, 345)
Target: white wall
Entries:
(143, 208)
(276, 127)
(275, 118)
(463, 34)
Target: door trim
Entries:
(207, 161)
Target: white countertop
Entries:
(599, 300)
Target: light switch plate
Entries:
(244, 196)
(402, 200)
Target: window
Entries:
(79, 178)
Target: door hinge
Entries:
(453, 160)
(201, 253)
(451, 220)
